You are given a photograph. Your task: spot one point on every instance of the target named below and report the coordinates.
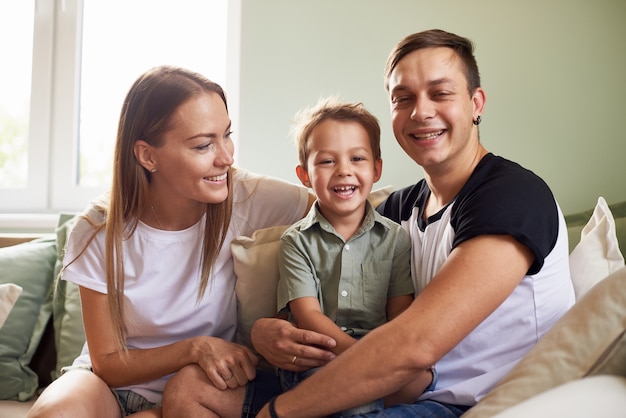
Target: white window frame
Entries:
(53, 130)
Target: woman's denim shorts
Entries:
(129, 401)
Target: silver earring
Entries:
(153, 170)
(477, 120)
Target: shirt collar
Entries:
(315, 217)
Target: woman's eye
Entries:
(203, 146)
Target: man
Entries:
(490, 257)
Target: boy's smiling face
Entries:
(341, 168)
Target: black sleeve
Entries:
(508, 200)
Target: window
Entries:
(72, 64)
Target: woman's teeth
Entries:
(217, 178)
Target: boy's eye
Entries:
(358, 158)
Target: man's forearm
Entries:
(357, 375)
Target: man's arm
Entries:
(398, 304)
(477, 277)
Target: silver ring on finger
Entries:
(293, 360)
(229, 377)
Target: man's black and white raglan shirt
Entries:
(500, 197)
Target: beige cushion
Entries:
(568, 351)
(256, 267)
(9, 293)
(597, 254)
(255, 261)
(613, 360)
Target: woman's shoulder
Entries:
(93, 216)
(248, 184)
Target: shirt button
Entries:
(344, 293)
(347, 247)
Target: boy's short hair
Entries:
(331, 108)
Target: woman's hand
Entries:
(291, 348)
(226, 364)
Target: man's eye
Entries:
(401, 101)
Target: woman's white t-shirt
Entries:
(162, 271)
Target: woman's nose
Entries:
(224, 154)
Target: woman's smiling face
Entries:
(197, 151)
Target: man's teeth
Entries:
(217, 178)
(429, 136)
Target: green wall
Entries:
(554, 72)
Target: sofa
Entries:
(577, 369)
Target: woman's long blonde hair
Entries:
(146, 114)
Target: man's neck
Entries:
(444, 185)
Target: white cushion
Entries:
(597, 254)
(599, 396)
(9, 293)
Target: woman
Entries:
(153, 260)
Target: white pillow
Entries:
(9, 293)
(597, 254)
(599, 396)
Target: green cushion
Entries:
(29, 265)
(69, 334)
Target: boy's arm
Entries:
(396, 305)
(308, 315)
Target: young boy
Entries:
(344, 268)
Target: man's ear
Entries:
(303, 175)
(145, 155)
(378, 169)
(479, 98)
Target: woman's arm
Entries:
(483, 270)
(218, 358)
